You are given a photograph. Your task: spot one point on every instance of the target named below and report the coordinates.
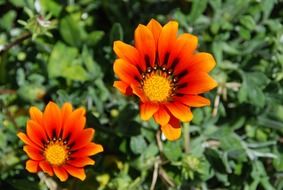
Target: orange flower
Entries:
(57, 143)
(164, 70)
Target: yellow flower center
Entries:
(56, 153)
(157, 87)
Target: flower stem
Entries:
(17, 41)
(158, 139)
(187, 138)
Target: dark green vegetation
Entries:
(237, 143)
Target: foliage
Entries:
(234, 144)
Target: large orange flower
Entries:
(57, 143)
(164, 70)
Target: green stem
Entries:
(17, 41)
(186, 134)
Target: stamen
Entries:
(175, 79)
(158, 83)
(55, 152)
(155, 67)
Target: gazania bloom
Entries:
(57, 143)
(164, 70)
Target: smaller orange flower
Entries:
(57, 143)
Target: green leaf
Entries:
(251, 89)
(75, 72)
(63, 62)
(198, 8)
(244, 33)
(70, 30)
(23, 184)
(94, 37)
(172, 151)
(51, 6)
(92, 67)
(138, 144)
(116, 33)
(7, 21)
(248, 22)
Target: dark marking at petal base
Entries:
(139, 69)
(137, 78)
(166, 58)
(71, 145)
(67, 138)
(183, 85)
(156, 59)
(147, 60)
(183, 73)
(174, 63)
(43, 141)
(179, 95)
(54, 133)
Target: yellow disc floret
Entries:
(157, 88)
(56, 153)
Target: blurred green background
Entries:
(62, 51)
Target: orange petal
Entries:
(74, 123)
(147, 109)
(88, 150)
(170, 132)
(126, 71)
(83, 138)
(139, 92)
(52, 118)
(61, 173)
(36, 114)
(193, 100)
(180, 111)
(128, 53)
(183, 47)
(155, 28)
(166, 40)
(197, 82)
(36, 133)
(66, 110)
(201, 62)
(161, 116)
(81, 162)
(76, 172)
(33, 153)
(123, 87)
(144, 42)
(32, 166)
(46, 167)
(27, 141)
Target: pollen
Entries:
(56, 153)
(157, 88)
